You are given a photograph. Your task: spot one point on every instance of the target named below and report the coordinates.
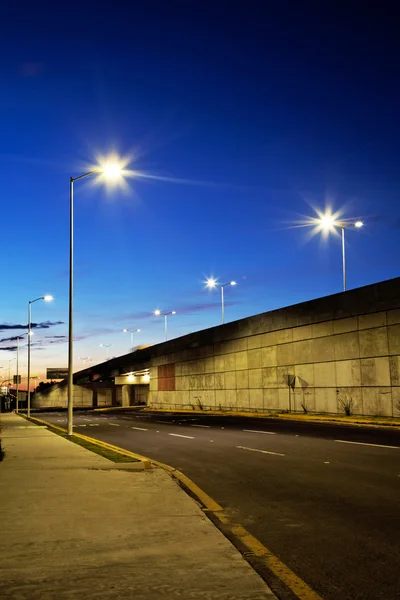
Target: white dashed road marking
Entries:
(366, 444)
(257, 431)
(193, 425)
(262, 451)
(140, 428)
(114, 424)
(184, 436)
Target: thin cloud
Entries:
(189, 309)
(43, 325)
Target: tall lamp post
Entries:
(212, 283)
(131, 331)
(329, 223)
(46, 299)
(158, 313)
(110, 171)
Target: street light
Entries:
(46, 299)
(212, 283)
(131, 331)
(19, 337)
(110, 170)
(107, 346)
(86, 359)
(158, 313)
(329, 223)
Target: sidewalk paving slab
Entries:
(72, 529)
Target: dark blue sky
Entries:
(261, 108)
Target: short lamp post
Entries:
(212, 283)
(329, 223)
(158, 313)
(132, 332)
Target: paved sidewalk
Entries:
(71, 528)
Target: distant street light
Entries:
(212, 283)
(46, 299)
(329, 223)
(131, 331)
(19, 337)
(107, 346)
(85, 359)
(158, 313)
(110, 170)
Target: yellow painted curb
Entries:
(297, 586)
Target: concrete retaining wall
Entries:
(325, 367)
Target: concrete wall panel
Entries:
(375, 371)
(348, 373)
(393, 316)
(346, 345)
(396, 401)
(371, 321)
(256, 401)
(377, 401)
(255, 378)
(373, 342)
(394, 339)
(394, 365)
(324, 375)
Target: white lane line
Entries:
(262, 451)
(114, 424)
(189, 437)
(366, 444)
(258, 431)
(164, 422)
(193, 425)
(140, 428)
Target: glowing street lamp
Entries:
(212, 283)
(158, 313)
(131, 331)
(329, 223)
(110, 170)
(30, 333)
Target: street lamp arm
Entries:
(85, 175)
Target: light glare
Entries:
(48, 298)
(112, 171)
(211, 283)
(327, 222)
(358, 224)
(157, 312)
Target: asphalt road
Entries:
(324, 498)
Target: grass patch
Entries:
(115, 457)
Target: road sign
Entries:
(56, 373)
(16, 379)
